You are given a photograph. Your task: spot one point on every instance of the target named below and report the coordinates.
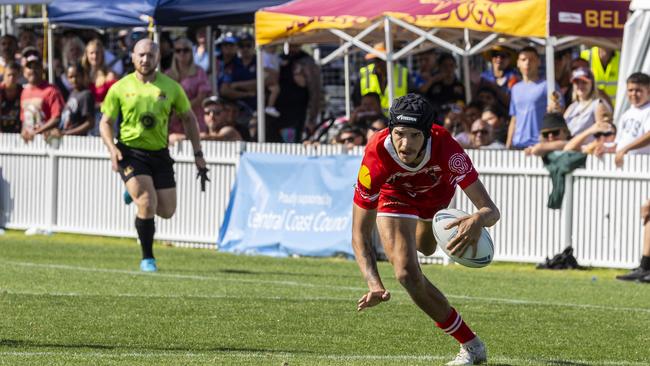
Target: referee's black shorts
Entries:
(156, 164)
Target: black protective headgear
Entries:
(412, 110)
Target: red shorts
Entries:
(401, 206)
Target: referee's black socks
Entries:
(146, 229)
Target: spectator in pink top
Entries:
(41, 103)
(101, 78)
(194, 81)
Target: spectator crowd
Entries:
(509, 107)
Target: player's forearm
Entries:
(362, 225)
(191, 127)
(489, 215)
(106, 132)
(367, 260)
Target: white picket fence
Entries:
(72, 189)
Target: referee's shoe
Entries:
(148, 265)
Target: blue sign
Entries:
(289, 204)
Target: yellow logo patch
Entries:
(128, 170)
(364, 177)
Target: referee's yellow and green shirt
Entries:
(145, 109)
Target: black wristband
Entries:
(198, 154)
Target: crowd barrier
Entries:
(73, 189)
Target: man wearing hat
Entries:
(242, 84)
(41, 103)
(227, 61)
(373, 79)
(501, 75)
(553, 135)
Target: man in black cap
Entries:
(553, 135)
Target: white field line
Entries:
(287, 356)
(311, 285)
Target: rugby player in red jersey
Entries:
(410, 171)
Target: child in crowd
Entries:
(634, 133)
(78, 116)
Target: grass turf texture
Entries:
(78, 300)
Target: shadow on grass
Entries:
(34, 344)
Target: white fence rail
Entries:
(72, 189)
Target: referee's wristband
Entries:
(198, 154)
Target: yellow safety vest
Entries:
(606, 78)
(370, 84)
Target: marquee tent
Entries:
(128, 13)
(464, 27)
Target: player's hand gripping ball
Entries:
(484, 247)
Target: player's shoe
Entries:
(127, 197)
(471, 353)
(635, 275)
(148, 265)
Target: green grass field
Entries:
(79, 300)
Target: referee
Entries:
(144, 101)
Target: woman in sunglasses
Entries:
(587, 107)
(195, 83)
(602, 136)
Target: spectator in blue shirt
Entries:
(528, 102)
(242, 85)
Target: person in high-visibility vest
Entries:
(604, 64)
(373, 79)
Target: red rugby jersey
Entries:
(433, 182)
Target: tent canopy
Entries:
(304, 17)
(130, 13)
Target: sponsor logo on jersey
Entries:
(364, 177)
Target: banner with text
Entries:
(602, 18)
(288, 204)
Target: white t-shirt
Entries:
(271, 61)
(634, 123)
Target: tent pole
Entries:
(466, 71)
(209, 36)
(550, 67)
(261, 118)
(346, 76)
(50, 58)
(389, 61)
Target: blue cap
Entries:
(229, 39)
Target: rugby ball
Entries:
(485, 247)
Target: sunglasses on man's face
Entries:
(182, 50)
(603, 134)
(212, 111)
(498, 54)
(245, 45)
(347, 140)
(476, 132)
(554, 133)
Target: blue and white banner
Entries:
(288, 204)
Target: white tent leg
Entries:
(261, 118)
(50, 51)
(346, 76)
(550, 66)
(466, 71)
(389, 61)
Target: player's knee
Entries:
(166, 212)
(410, 279)
(147, 202)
